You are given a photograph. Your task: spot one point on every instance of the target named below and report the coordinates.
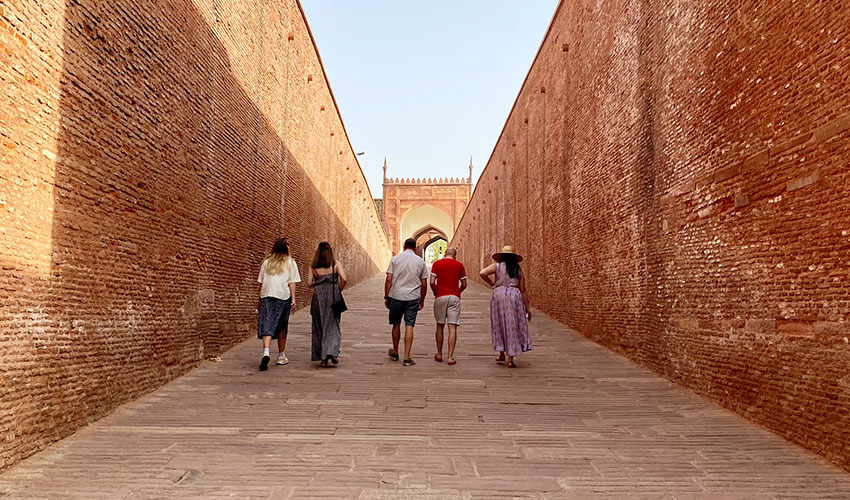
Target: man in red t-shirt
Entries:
(448, 280)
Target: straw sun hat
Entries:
(507, 249)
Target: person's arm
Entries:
(524, 296)
(388, 284)
(423, 285)
(310, 278)
(341, 274)
(487, 272)
(434, 283)
(295, 277)
(462, 285)
(423, 292)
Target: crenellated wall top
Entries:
(451, 181)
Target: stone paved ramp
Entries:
(573, 421)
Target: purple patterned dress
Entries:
(507, 315)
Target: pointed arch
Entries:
(417, 219)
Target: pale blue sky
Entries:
(426, 82)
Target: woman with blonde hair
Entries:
(327, 279)
(278, 276)
(509, 311)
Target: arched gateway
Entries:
(427, 210)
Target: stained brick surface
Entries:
(150, 153)
(676, 174)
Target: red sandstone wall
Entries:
(150, 153)
(677, 175)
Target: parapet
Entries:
(451, 181)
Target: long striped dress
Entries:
(508, 323)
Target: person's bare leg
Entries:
(501, 356)
(440, 329)
(396, 337)
(267, 341)
(452, 341)
(281, 343)
(511, 363)
(408, 341)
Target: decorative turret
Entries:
(385, 169)
(470, 170)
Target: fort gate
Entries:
(427, 210)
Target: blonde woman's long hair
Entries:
(278, 258)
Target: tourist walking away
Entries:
(327, 279)
(509, 311)
(278, 276)
(404, 296)
(448, 281)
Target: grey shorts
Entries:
(406, 308)
(447, 310)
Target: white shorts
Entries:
(447, 310)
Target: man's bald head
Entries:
(451, 252)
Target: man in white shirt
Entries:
(404, 296)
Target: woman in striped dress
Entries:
(509, 311)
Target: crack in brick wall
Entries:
(676, 175)
(151, 154)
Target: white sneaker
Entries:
(282, 360)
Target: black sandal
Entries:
(324, 363)
(334, 360)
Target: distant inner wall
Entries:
(151, 154)
(676, 175)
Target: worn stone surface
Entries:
(150, 154)
(677, 171)
(572, 421)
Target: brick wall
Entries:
(151, 153)
(676, 174)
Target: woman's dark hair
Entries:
(514, 271)
(281, 247)
(324, 256)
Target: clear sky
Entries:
(426, 83)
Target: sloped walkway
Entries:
(573, 421)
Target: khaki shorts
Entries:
(447, 310)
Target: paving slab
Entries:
(572, 421)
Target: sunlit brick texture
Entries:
(676, 174)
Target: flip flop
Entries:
(438, 359)
(451, 362)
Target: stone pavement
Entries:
(572, 421)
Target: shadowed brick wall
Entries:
(676, 174)
(150, 153)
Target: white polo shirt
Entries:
(408, 269)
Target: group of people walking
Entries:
(278, 276)
(405, 289)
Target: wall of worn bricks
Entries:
(151, 152)
(676, 174)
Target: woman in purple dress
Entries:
(509, 311)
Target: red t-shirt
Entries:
(448, 272)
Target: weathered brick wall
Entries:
(677, 175)
(151, 153)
